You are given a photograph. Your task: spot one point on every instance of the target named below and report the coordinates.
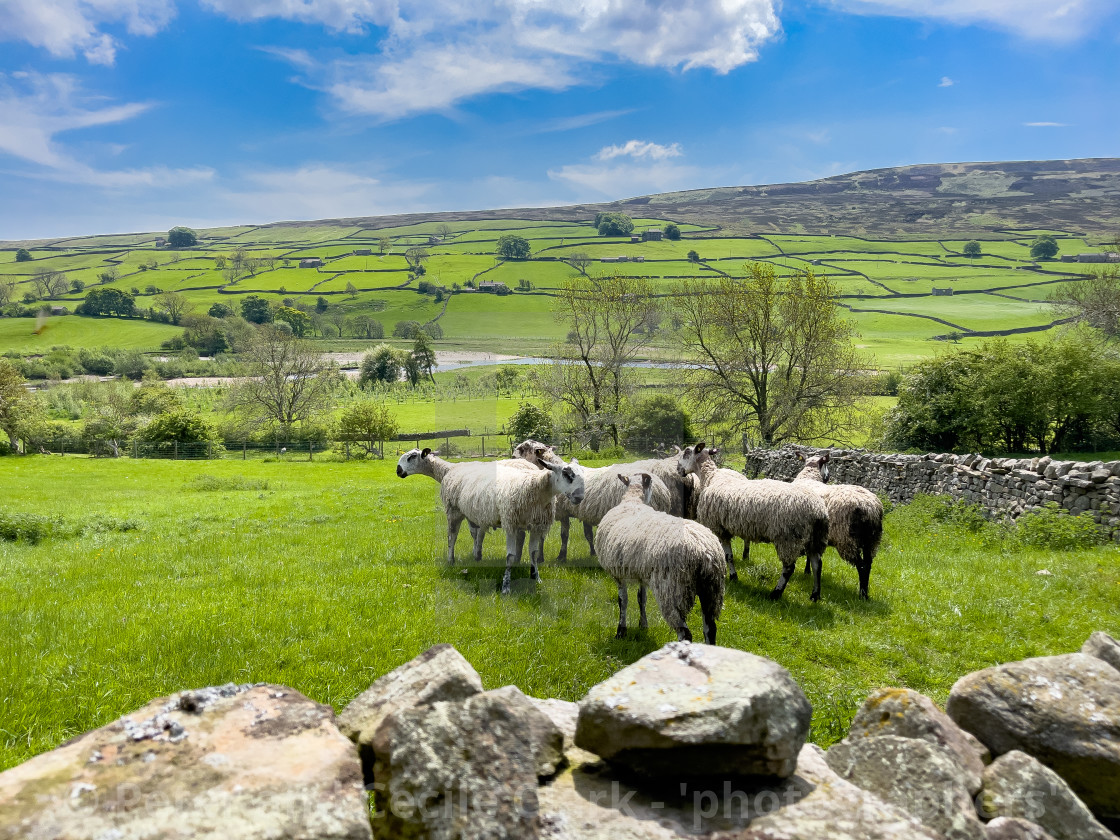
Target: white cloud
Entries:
(1054, 20)
(640, 149)
(1046, 124)
(40, 107)
(66, 27)
(946, 82)
(436, 53)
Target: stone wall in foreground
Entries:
(1005, 487)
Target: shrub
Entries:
(96, 362)
(179, 425)
(379, 365)
(1056, 528)
(406, 329)
(26, 527)
(660, 419)
(530, 421)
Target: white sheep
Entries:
(789, 516)
(602, 492)
(514, 497)
(855, 517)
(676, 558)
(426, 462)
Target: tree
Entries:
(220, 310)
(182, 237)
(300, 322)
(531, 422)
(17, 405)
(416, 257)
(971, 249)
(406, 329)
(513, 247)
(368, 423)
(693, 257)
(579, 260)
(337, 318)
(23, 255)
(77, 286)
(770, 356)
(379, 365)
(322, 304)
(506, 379)
(1044, 247)
(366, 326)
(174, 304)
(443, 230)
(7, 291)
(672, 232)
(590, 377)
(424, 355)
(107, 301)
(351, 290)
(1094, 301)
(384, 244)
(110, 275)
(180, 425)
(660, 420)
(256, 310)
(614, 224)
(288, 382)
(50, 284)
(410, 367)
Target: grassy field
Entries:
(324, 576)
(894, 276)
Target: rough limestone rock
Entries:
(439, 673)
(697, 710)
(1104, 647)
(463, 768)
(1016, 785)
(230, 762)
(565, 714)
(920, 777)
(1063, 710)
(835, 809)
(1011, 828)
(908, 714)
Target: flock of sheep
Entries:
(665, 524)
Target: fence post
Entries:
(484, 446)
(310, 450)
(176, 450)
(210, 449)
(244, 450)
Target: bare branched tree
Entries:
(579, 260)
(7, 291)
(771, 356)
(175, 304)
(1096, 300)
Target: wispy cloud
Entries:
(1048, 20)
(67, 27)
(1046, 124)
(578, 121)
(946, 82)
(39, 107)
(640, 149)
(320, 191)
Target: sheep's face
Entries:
(689, 459)
(412, 462)
(535, 452)
(639, 484)
(820, 463)
(568, 479)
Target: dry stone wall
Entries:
(1004, 487)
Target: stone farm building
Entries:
(311, 262)
(363, 252)
(1091, 258)
(493, 288)
(653, 235)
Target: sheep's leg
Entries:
(515, 543)
(565, 526)
(454, 523)
(864, 569)
(643, 622)
(729, 556)
(789, 564)
(589, 535)
(479, 537)
(808, 565)
(620, 633)
(816, 563)
(536, 554)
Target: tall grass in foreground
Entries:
(323, 576)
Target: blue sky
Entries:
(125, 115)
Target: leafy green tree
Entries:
(256, 310)
(1044, 247)
(107, 301)
(77, 285)
(614, 224)
(17, 404)
(368, 424)
(23, 255)
(672, 232)
(174, 304)
(406, 329)
(506, 379)
(513, 247)
(220, 310)
(424, 355)
(972, 249)
(322, 304)
(660, 420)
(379, 365)
(410, 367)
(530, 421)
(1094, 301)
(207, 334)
(693, 257)
(351, 290)
(300, 322)
(154, 397)
(179, 424)
(366, 326)
(182, 237)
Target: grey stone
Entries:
(691, 709)
(1103, 647)
(908, 714)
(439, 673)
(244, 762)
(1063, 710)
(1016, 785)
(925, 779)
(1010, 828)
(461, 769)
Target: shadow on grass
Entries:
(638, 643)
(837, 597)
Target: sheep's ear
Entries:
(824, 458)
(624, 479)
(647, 480)
(801, 457)
(714, 452)
(426, 452)
(698, 448)
(540, 451)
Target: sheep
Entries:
(426, 462)
(671, 491)
(514, 497)
(855, 517)
(602, 494)
(790, 516)
(678, 559)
